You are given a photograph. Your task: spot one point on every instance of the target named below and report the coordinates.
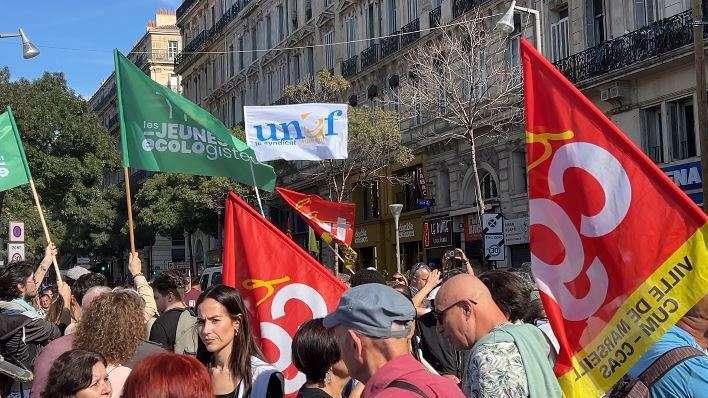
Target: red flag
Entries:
(324, 216)
(618, 251)
(282, 285)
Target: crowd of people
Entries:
(447, 332)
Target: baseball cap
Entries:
(375, 310)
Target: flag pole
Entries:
(255, 187)
(131, 234)
(44, 226)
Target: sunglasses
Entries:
(440, 315)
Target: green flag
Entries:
(13, 163)
(163, 131)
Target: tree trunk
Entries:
(478, 186)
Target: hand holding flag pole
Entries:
(44, 227)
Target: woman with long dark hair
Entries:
(234, 360)
(78, 374)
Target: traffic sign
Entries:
(16, 231)
(492, 223)
(494, 248)
(15, 252)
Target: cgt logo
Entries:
(298, 129)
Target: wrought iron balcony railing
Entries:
(640, 45)
(349, 66)
(369, 56)
(390, 45)
(205, 37)
(460, 7)
(434, 16)
(410, 32)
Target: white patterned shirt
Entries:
(496, 371)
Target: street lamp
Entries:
(396, 211)
(506, 23)
(29, 50)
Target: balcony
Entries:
(410, 32)
(369, 56)
(390, 45)
(624, 51)
(349, 67)
(206, 37)
(435, 16)
(460, 7)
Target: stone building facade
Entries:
(245, 52)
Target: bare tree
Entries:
(374, 140)
(466, 76)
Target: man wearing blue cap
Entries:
(373, 325)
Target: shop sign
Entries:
(689, 177)
(516, 231)
(438, 233)
(472, 229)
(361, 236)
(406, 230)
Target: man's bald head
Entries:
(460, 287)
(466, 310)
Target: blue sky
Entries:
(75, 37)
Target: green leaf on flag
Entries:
(163, 131)
(13, 163)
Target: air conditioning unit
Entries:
(616, 91)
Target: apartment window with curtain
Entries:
(328, 39)
(412, 10)
(269, 37)
(240, 53)
(351, 36)
(559, 36)
(281, 23)
(310, 59)
(645, 12)
(172, 49)
(652, 134)
(232, 63)
(392, 24)
(595, 24)
(681, 128)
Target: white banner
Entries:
(297, 132)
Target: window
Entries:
(489, 187)
(310, 59)
(480, 89)
(270, 88)
(652, 135)
(518, 162)
(681, 128)
(232, 64)
(213, 15)
(254, 43)
(328, 40)
(351, 36)
(178, 254)
(412, 10)
(281, 23)
(293, 13)
(595, 15)
(308, 10)
(296, 68)
(408, 191)
(559, 36)
(240, 53)
(369, 201)
(328, 3)
(371, 18)
(233, 110)
(242, 103)
(644, 12)
(255, 92)
(392, 25)
(172, 49)
(269, 38)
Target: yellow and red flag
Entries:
(617, 249)
(282, 285)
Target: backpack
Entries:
(404, 385)
(640, 387)
(186, 338)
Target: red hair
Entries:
(168, 375)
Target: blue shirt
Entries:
(687, 379)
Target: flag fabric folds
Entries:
(333, 220)
(163, 131)
(282, 285)
(14, 169)
(617, 249)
